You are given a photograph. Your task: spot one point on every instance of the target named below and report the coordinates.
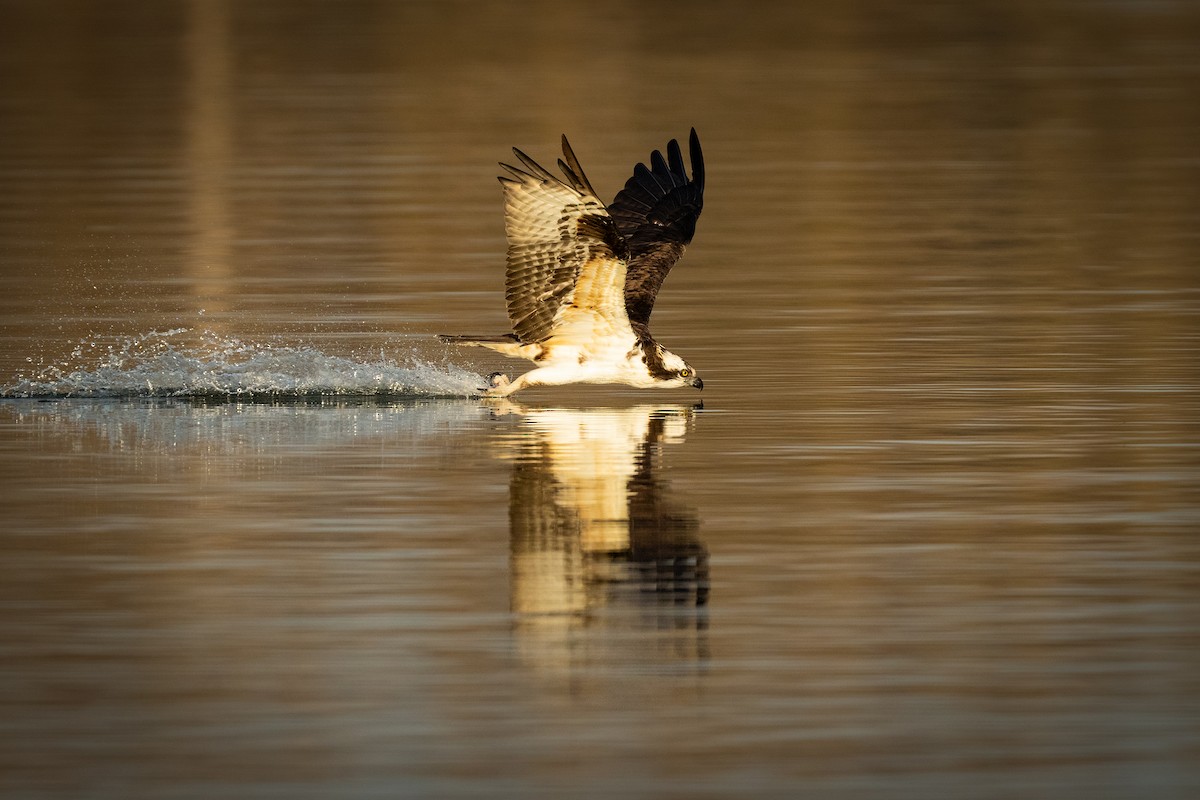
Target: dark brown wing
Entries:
(656, 213)
(556, 231)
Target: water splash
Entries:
(184, 363)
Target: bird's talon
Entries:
(496, 381)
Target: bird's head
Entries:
(680, 373)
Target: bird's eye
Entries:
(685, 373)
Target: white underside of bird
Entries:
(587, 347)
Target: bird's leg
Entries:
(495, 382)
(501, 386)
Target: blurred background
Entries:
(932, 533)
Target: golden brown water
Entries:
(933, 532)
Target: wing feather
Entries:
(560, 237)
(574, 172)
(656, 213)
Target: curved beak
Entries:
(699, 384)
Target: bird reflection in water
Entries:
(606, 566)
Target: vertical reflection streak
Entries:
(209, 152)
(601, 554)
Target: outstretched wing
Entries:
(656, 213)
(562, 245)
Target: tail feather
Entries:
(478, 341)
(507, 343)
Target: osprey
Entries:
(582, 277)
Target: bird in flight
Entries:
(582, 277)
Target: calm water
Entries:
(934, 532)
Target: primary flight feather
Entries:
(582, 277)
